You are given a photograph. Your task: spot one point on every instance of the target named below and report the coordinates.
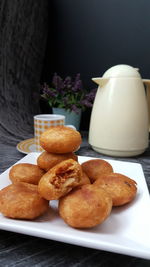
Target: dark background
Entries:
(90, 36)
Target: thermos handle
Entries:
(147, 84)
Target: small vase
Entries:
(70, 117)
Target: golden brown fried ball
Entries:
(84, 179)
(85, 207)
(60, 139)
(60, 179)
(48, 160)
(121, 188)
(95, 167)
(26, 172)
(22, 201)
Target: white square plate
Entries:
(126, 231)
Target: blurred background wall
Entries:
(23, 38)
(90, 36)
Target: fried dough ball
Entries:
(84, 179)
(121, 188)
(22, 201)
(48, 160)
(85, 207)
(95, 167)
(26, 172)
(60, 139)
(60, 179)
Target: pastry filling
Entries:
(64, 179)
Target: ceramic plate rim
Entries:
(94, 238)
(24, 142)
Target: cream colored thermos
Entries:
(119, 124)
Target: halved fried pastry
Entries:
(60, 179)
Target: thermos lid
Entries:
(122, 70)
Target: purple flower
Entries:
(77, 84)
(58, 82)
(77, 77)
(68, 82)
(68, 93)
(91, 95)
(48, 92)
(86, 103)
(75, 109)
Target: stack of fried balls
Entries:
(85, 192)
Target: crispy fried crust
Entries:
(95, 167)
(85, 207)
(22, 201)
(121, 188)
(59, 180)
(48, 160)
(84, 179)
(26, 172)
(60, 140)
